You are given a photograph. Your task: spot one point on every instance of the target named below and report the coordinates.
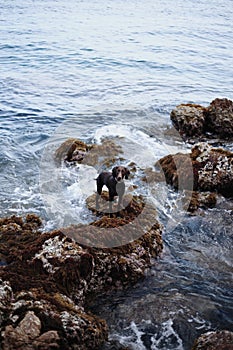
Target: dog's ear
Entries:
(114, 171)
(127, 173)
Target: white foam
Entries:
(162, 342)
(85, 184)
(166, 337)
(136, 144)
(133, 339)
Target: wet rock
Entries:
(105, 154)
(152, 176)
(213, 169)
(200, 200)
(114, 345)
(22, 336)
(50, 321)
(48, 277)
(220, 340)
(201, 123)
(6, 294)
(74, 151)
(189, 119)
(71, 150)
(48, 340)
(206, 169)
(178, 171)
(219, 118)
(130, 224)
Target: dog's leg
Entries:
(119, 205)
(111, 199)
(120, 188)
(98, 194)
(97, 206)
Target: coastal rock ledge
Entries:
(47, 278)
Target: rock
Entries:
(178, 170)
(70, 150)
(199, 200)
(48, 277)
(205, 169)
(22, 336)
(74, 151)
(220, 340)
(6, 295)
(48, 340)
(213, 169)
(189, 119)
(219, 118)
(202, 123)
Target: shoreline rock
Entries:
(205, 170)
(74, 151)
(195, 122)
(47, 278)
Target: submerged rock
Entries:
(48, 276)
(198, 122)
(220, 340)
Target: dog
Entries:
(114, 181)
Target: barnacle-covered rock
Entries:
(189, 119)
(47, 277)
(42, 289)
(213, 168)
(195, 122)
(220, 340)
(219, 118)
(206, 168)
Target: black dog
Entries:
(115, 184)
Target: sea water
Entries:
(97, 69)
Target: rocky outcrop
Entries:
(213, 169)
(76, 151)
(205, 169)
(47, 278)
(197, 122)
(189, 119)
(71, 150)
(219, 118)
(221, 340)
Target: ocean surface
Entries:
(97, 69)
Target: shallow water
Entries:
(96, 69)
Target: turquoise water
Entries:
(88, 68)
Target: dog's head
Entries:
(120, 172)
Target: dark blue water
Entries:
(89, 69)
